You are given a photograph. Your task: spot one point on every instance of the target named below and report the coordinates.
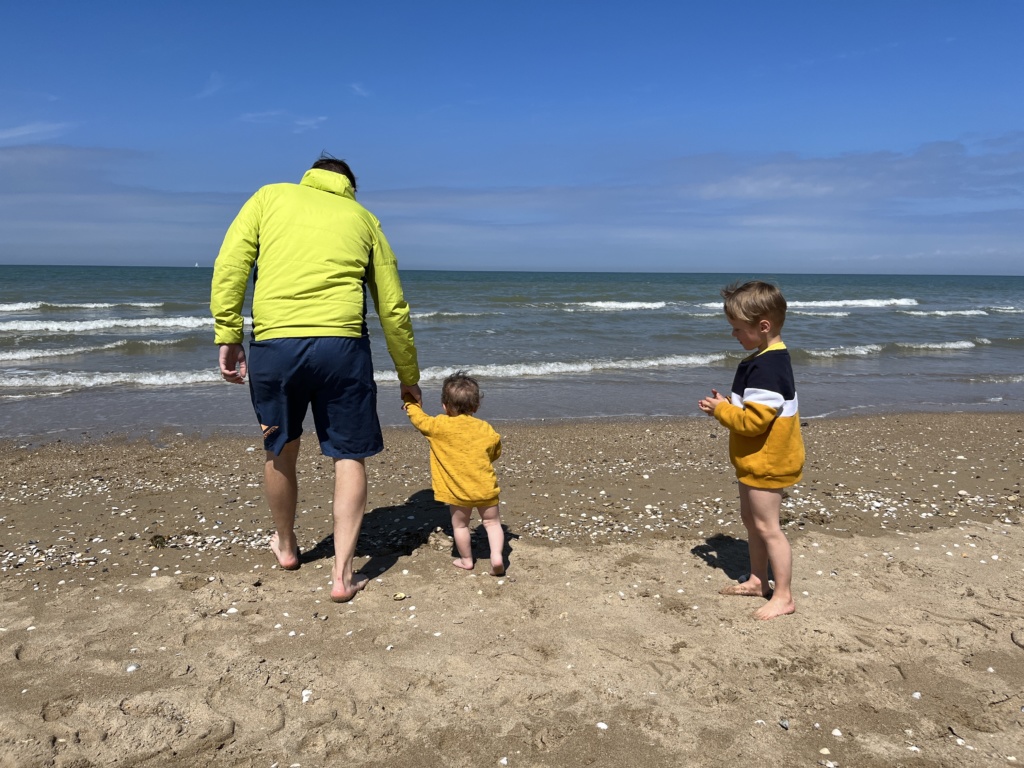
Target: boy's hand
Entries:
(708, 404)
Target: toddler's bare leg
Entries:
(460, 529)
(765, 508)
(756, 584)
(495, 538)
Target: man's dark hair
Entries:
(328, 162)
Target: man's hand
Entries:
(413, 391)
(232, 363)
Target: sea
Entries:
(93, 351)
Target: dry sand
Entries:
(143, 623)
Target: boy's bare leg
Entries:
(282, 490)
(349, 506)
(756, 584)
(495, 538)
(765, 507)
(460, 530)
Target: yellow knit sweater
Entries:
(461, 451)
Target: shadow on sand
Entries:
(389, 533)
(729, 554)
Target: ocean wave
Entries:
(79, 326)
(821, 314)
(867, 303)
(852, 303)
(1007, 310)
(858, 351)
(558, 368)
(613, 306)
(944, 312)
(36, 354)
(443, 313)
(87, 379)
(27, 306)
(937, 345)
(39, 354)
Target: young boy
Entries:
(462, 448)
(764, 438)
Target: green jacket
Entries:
(314, 249)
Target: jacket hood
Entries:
(328, 181)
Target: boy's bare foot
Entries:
(497, 567)
(289, 561)
(466, 565)
(774, 608)
(749, 588)
(339, 594)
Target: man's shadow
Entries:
(389, 533)
(727, 553)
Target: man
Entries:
(312, 251)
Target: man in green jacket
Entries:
(313, 251)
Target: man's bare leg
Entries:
(756, 584)
(495, 538)
(282, 489)
(349, 506)
(460, 532)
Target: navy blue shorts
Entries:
(333, 374)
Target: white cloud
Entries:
(303, 124)
(213, 84)
(359, 90)
(33, 131)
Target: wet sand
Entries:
(143, 621)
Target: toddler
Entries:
(462, 449)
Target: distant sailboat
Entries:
(197, 263)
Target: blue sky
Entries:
(878, 137)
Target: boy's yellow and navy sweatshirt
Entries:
(461, 451)
(763, 420)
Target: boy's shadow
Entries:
(389, 533)
(730, 554)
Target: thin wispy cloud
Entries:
(269, 116)
(304, 124)
(359, 90)
(214, 84)
(33, 131)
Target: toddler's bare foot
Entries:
(497, 567)
(463, 563)
(288, 561)
(341, 594)
(749, 588)
(774, 608)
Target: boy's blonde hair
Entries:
(460, 394)
(754, 301)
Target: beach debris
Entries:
(824, 751)
(836, 732)
(307, 694)
(915, 695)
(603, 726)
(784, 723)
(131, 668)
(399, 596)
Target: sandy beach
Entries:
(143, 621)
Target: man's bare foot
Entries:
(774, 608)
(288, 561)
(339, 594)
(749, 588)
(497, 567)
(463, 563)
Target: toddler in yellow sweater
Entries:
(462, 449)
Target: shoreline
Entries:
(149, 625)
